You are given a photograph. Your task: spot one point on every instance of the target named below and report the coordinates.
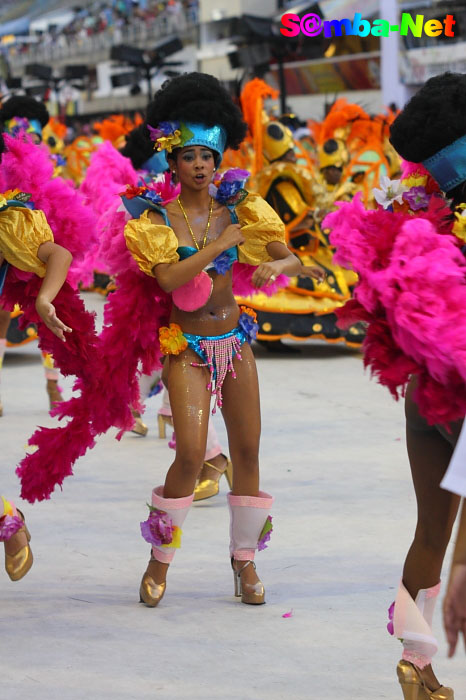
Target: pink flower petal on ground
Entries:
(288, 614)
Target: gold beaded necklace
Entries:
(204, 240)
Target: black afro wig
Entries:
(27, 107)
(198, 98)
(434, 118)
(138, 147)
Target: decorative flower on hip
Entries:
(248, 322)
(264, 537)
(416, 197)
(158, 529)
(391, 191)
(172, 340)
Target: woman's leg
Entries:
(190, 403)
(429, 453)
(241, 412)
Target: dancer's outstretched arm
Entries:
(284, 263)
(57, 260)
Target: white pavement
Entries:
(333, 455)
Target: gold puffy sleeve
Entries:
(260, 225)
(22, 231)
(150, 244)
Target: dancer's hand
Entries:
(267, 273)
(317, 273)
(454, 607)
(230, 237)
(47, 312)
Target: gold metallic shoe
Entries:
(17, 565)
(163, 421)
(151, 593)
(250, 593)
(210, 487)
(414, 688)
(139, 427)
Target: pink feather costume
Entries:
(138, 307)
(77, 356)
(108, 174)
(411, 292)
(28, 167)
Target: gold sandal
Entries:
(210, 487)
(414, 688)
(17, 565)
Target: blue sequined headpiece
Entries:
(448, 166)
(213, 137)
(170, 135)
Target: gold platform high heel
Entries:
(151, 593)
(210, 487)
(163, 421)
(250, 593)
(414, 688)
(17, 565)
(139, 427)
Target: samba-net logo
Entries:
(313, 25)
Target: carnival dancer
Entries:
(411, 292)
(27, 245)
(190, 247)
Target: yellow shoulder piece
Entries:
(260, 225)
(22, 231)
(150, 244)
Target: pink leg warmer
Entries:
(412, 623)
(177, 509)
(248, 515)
